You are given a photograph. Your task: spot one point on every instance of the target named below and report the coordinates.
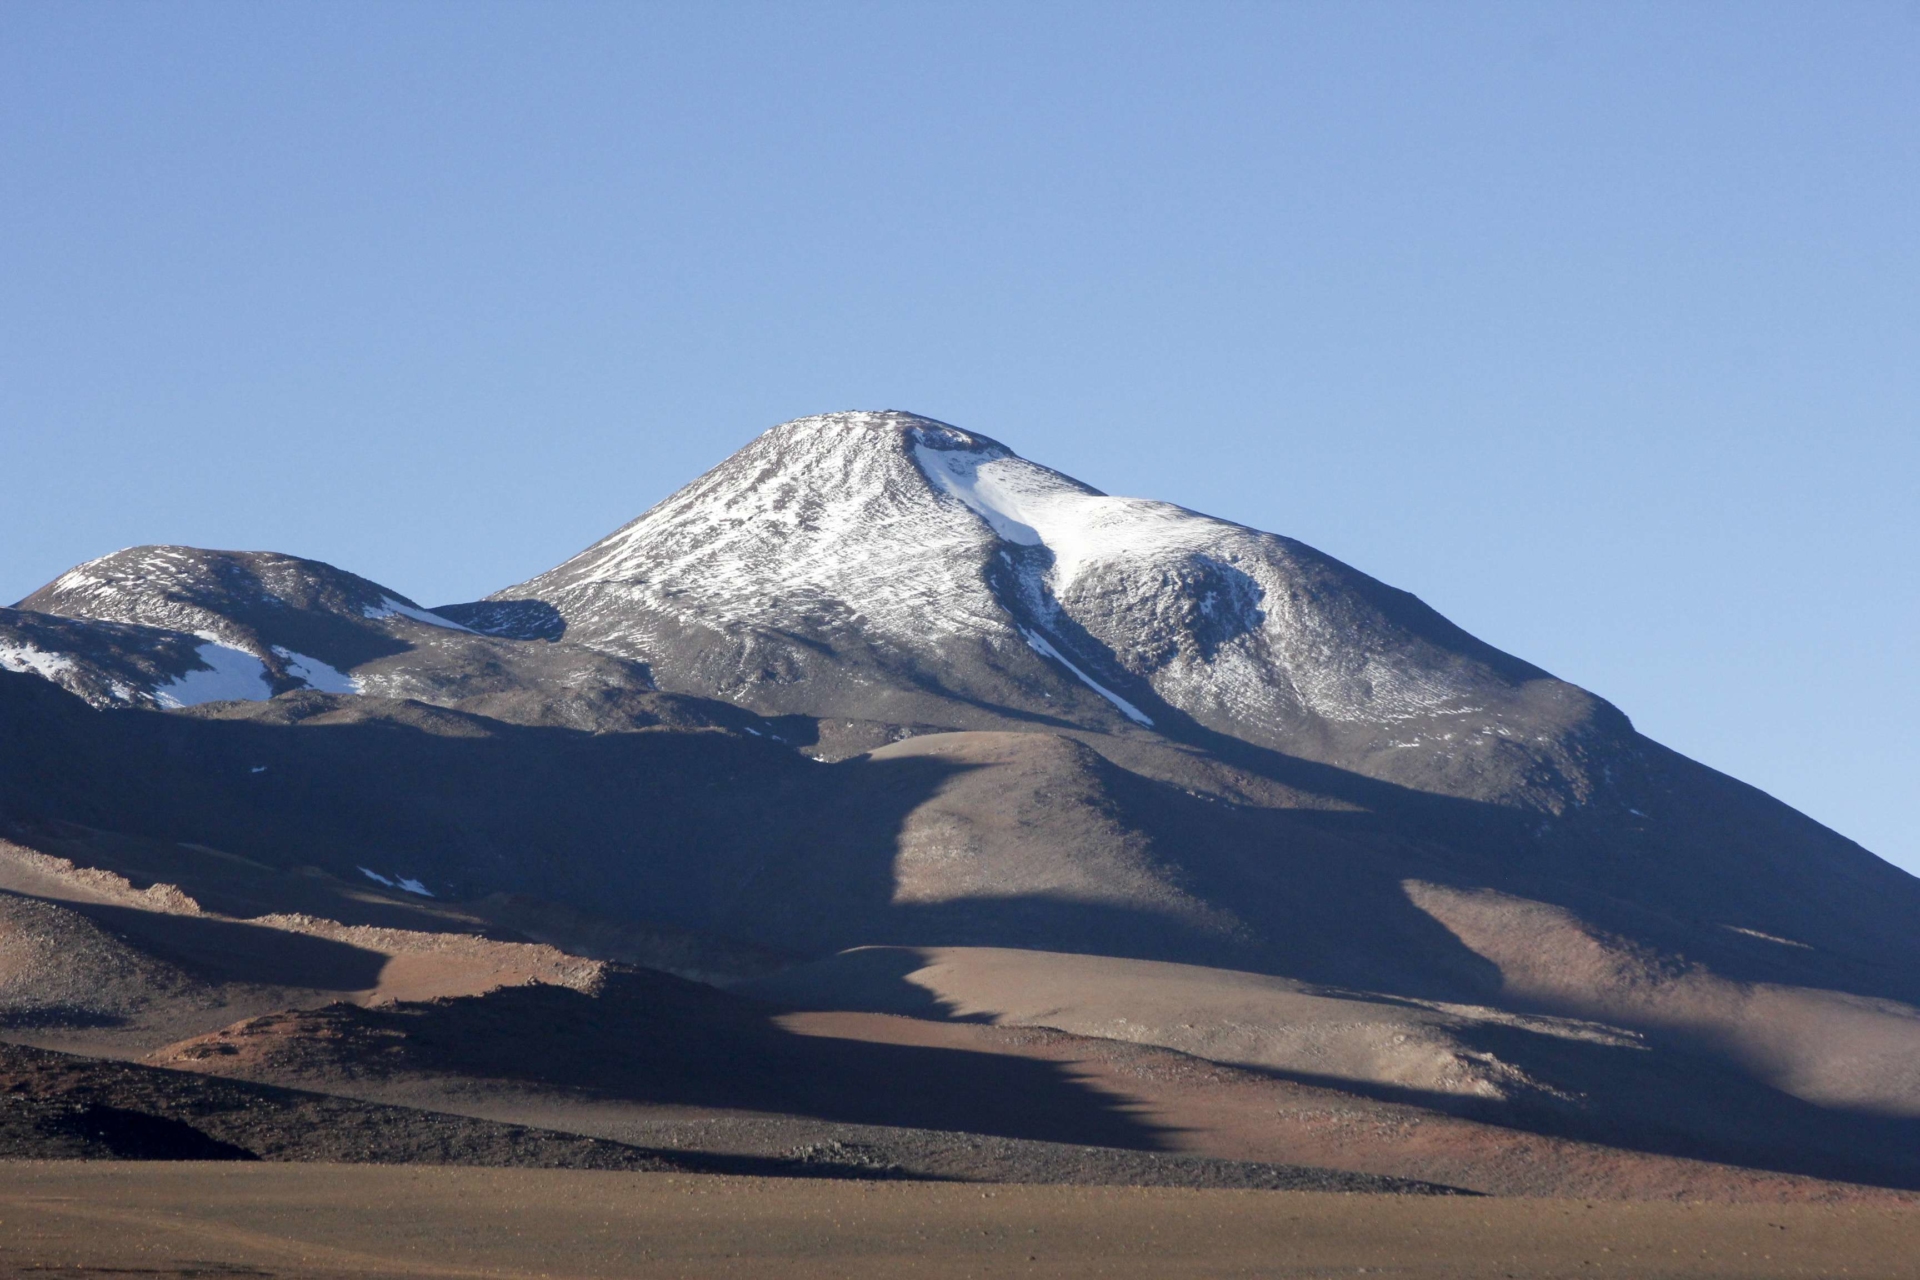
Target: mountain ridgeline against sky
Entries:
(893, 568)
(878, 682)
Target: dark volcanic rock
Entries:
(56, 1106)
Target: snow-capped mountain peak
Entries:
(172, 627)
(879, 567)
(891, 566)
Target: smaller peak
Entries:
(196, 589)
(173, 558)
(157, 564)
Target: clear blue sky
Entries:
(1597, 326)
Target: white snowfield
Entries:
(1109, 566)
(227, 674)
(391, 608)
(230, 675)
(316, 673)
(1032, 506)
(28, 660)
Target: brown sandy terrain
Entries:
(127, 880)
(1829, 1047)
(364, 1222)
(92, 963)
(1203, 1108)
(1382, 1065)
(664, 1065)
(93, 966)
(1100, 1070)
(59, 1106)
(1223, 1015)
(1403, 1035)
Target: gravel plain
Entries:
(363, 1222)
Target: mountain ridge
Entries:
(904, 563)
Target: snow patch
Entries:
(28, 660)
(1766, 937)
(1033, 506)
(230, 675)
(991, 496)
(77, 580)
(389, 607)
(318, 674)
(402, 882)
(1038, 643)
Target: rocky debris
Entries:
(55, 1106)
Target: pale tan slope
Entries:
(1646, 1091)
(1450, 989)
(90, 962)
(72, 863)
(431, 966)
(1826, 1047)
(1222, 1015)
(1202, 1108)
(420, 948)
(1027, 815)
(938, 1099)
(1123, 1010)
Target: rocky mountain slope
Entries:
(173, 627)
(1095, 764)
(888, 567)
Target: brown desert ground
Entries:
(406, 1034)
(318, 1220)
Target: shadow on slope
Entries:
(666, 825)
(650, 1038)
(745, 838)
(1722, 874)
(1673, 1102)
(1582, 1082)
(223, 951)
(741, 837)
